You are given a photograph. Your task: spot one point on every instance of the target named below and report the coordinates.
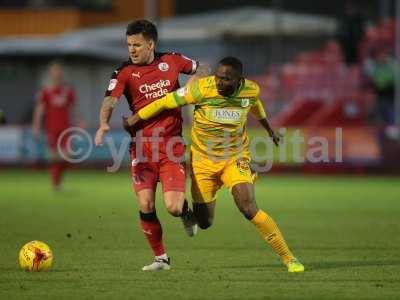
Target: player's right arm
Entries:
(106, 110)
(114, 91)
(38, 114)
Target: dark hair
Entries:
(145, 27)
(233, 62)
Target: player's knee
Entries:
(174, 209)
(146, 201)
(146, 206)
(174, 202)
(248, 209)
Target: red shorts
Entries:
(150, 165)
(53, 137)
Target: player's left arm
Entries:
(258, 111)
(186, 95)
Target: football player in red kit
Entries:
(55, 104)
(144, 78)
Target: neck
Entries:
(151, 58)
(55, 83)
(237, 89)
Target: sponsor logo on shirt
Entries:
(155, 90)
(60, 99)
(245, 102)
(137, 75)
(226, 115)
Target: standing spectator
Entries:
(2, 117)
(380, 72)
(350, 32)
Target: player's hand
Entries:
(276, 138)
(103, 129)
(130, 129)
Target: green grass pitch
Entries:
(345, 230)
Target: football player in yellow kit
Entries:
(220, 146)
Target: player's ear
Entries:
(152, 45)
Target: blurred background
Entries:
(320, 65)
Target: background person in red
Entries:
(145, 77)
(54, 106)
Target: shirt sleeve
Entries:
(180, 97)
(185, 64)
(116, 85)
(258, 110)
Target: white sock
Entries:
(163, 256)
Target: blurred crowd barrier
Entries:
(320, 149)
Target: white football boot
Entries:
(158, 264)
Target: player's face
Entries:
(227, 79)
(140, 49)
(56, 73)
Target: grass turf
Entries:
(345, 231)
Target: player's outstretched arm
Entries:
(169, 101)
(180, 97)
(106, 110)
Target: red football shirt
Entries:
(142, 84)
(58, 102)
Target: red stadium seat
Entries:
(298, 112)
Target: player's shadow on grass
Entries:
(322, 265)
(66, 193)
(255, 266)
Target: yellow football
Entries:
(35, 256)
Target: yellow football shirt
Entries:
(219, 123)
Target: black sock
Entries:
(185, 208)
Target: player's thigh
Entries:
(237, 171)
(204, 188)
(205, 183)
(172, 176)
(144, 173)
(173, 180)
